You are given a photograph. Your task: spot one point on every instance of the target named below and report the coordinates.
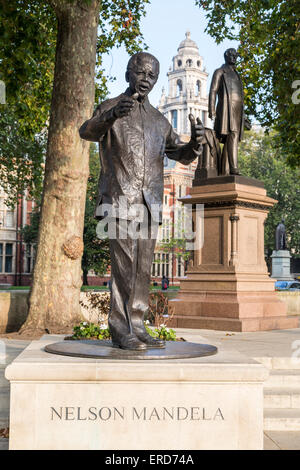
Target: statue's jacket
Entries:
(221, 87)
(132, 151)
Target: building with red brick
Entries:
(16, 257)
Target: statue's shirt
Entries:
(132, 149)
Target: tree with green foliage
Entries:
(66, 30)
(28, 35)
(54, 296)
(22, 160)
(27, 56)
(96, 254)
(269, 35)
(30, 231)
(260, 159)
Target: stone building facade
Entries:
(187, 94)
(187, 88)
(16, 257)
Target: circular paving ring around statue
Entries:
(96, 349)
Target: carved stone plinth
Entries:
(228, 286)
(69, 403)
(281, 265)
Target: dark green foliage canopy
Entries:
(259, 158)
(28, 30)
(269, 35)
(96, 255)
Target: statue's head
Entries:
(231, 56)
(142, 73)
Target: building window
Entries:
(204, 118)
(28, 262)
(153, 266)
(179, 267)
(158, 264)
(189, 62)
(174, 118)
(163, 231)
(167, 230)
(198, 88)
(179, 87)
(161, 265)
(167, 265)
(179, 63)
(9, 219)
(199, 63)
(8, 257)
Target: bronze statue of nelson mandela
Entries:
(133, 138)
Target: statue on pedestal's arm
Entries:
(133, 138)
(229, 115)
(280, 236)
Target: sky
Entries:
(164, 27)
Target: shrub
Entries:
(97, 305)
(87, 330)
(160, 311)
(162, 332)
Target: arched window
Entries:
(179, 87)
(174, 118)
(179, 63)
(189, 62)
(199, 63)
(198, 88)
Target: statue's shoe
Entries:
(235, 171)
(129, 342)
(150, 341)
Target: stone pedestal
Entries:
(60, 402)
(281, 265)
(228, 286)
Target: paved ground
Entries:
(9, 350)
(275, 343)
(265, 344)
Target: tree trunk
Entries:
(85, 277)
(54, 297)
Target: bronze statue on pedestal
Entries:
(133, 138)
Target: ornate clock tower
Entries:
(187, 88)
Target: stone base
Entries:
(58, 403)
(258, 311)
(281, 265)
(227, 286)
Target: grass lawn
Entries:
(83, 288)
(99, 288)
